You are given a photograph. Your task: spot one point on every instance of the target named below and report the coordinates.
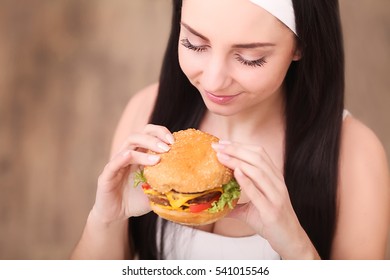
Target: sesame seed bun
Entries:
(190, 166)
(189, 185)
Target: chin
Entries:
(225, 110)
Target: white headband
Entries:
(281, 9)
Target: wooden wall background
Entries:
(67, 69)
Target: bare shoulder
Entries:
(361, 149)
(363, 196)
(136, 115)
(360, 143)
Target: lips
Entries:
(220, 99)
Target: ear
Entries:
(297, 54)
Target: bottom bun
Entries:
(188, 218)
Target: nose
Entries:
(216, 76)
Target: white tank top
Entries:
(186, 243)
(346, 113)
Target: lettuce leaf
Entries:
(231, 191)
(139, 178)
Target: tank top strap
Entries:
(346, 113)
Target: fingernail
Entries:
(217, 146)
(153, 158)
(126, 153)
(223, 156)
(163, 146)
(224, 142)
(170, 138)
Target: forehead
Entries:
(233, 20)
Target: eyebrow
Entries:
(236, 46)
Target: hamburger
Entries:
(189, 185)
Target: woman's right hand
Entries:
(116, 198)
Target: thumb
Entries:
(239, 212)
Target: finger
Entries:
(261, 177)
(145, 142)
(239, 212)
(256, 195)
(126, 158)
(266, 157)
(154, 137)
(252, 168)
(160, 132)
(258, 179)
(254, 155)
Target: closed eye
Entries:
(186, 43)
(252, 63)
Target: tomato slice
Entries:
(195, 208)
(146, 186)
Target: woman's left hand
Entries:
(269, 211)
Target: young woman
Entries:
(267, 77)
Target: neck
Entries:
(262, 120)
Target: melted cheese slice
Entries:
(177, 200)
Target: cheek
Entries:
(259, 81)
(188, 64)
(265, 80)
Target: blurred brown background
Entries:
(67, 70)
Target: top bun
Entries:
(190, 166)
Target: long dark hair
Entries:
(314, 106)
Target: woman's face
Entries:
(234, 52)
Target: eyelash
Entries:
(252, 63)
(186, 43)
